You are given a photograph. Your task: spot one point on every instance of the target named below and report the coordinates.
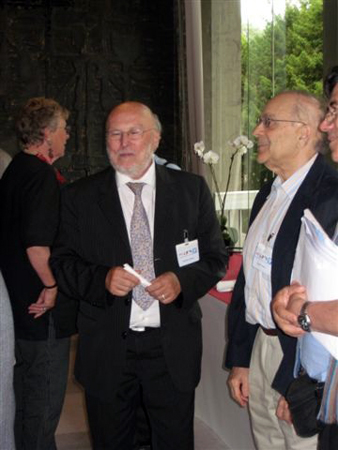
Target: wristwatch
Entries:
(304, 319)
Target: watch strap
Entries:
(303, 318)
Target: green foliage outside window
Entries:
(287, 54)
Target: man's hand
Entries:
(286, 306)
(46, 301)
(165, 288)
(282, 411)
(238, 383)
(119, 282)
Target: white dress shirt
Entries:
(258, 247)
(151, 317)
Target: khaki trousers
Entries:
(270, 433)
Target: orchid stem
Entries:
(212, 170)
(228, 181)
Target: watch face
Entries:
(304, 322)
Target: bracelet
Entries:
(51, 287)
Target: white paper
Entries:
(145, 283)
(225, 286)
(316, 267)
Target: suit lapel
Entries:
(287, 238)
(165, 195)
(291, 223)
(109, 202)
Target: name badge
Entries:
(187, 253)
(263, 258)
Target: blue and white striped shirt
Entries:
(259, 245)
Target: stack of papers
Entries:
(316, 267)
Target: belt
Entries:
(147, 330)
(269, 331)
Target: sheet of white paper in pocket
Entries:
(225, 286)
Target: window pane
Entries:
(281, 49)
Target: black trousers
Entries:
(171, 412)
(40, 380)
(142, 437)
(328, 438)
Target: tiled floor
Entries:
(72, 432)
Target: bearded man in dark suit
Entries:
(126, 349)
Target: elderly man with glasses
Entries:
(139, 336)
(261, 356)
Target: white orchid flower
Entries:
(211, 157)
(238, 142)
(244, 140)
(250, 144)
(241, 144)
(199, 148)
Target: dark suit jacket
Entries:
(319, 193)
(93, 238)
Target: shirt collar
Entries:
(148, 178)
(291, 185)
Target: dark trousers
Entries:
(142, 437)
(171, 412)
(328, 438)
(40, 379)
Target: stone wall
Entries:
(89, 55)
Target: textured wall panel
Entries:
(90, 56)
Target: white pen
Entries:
(145, 283)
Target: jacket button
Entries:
(124, 334)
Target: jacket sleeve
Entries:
(241, 334)
(76, 276)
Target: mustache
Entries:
(126, 151)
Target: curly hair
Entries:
(36, 115)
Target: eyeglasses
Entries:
(266, 121)
(331, 115)
(134, 134)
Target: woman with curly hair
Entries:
(43, 318)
